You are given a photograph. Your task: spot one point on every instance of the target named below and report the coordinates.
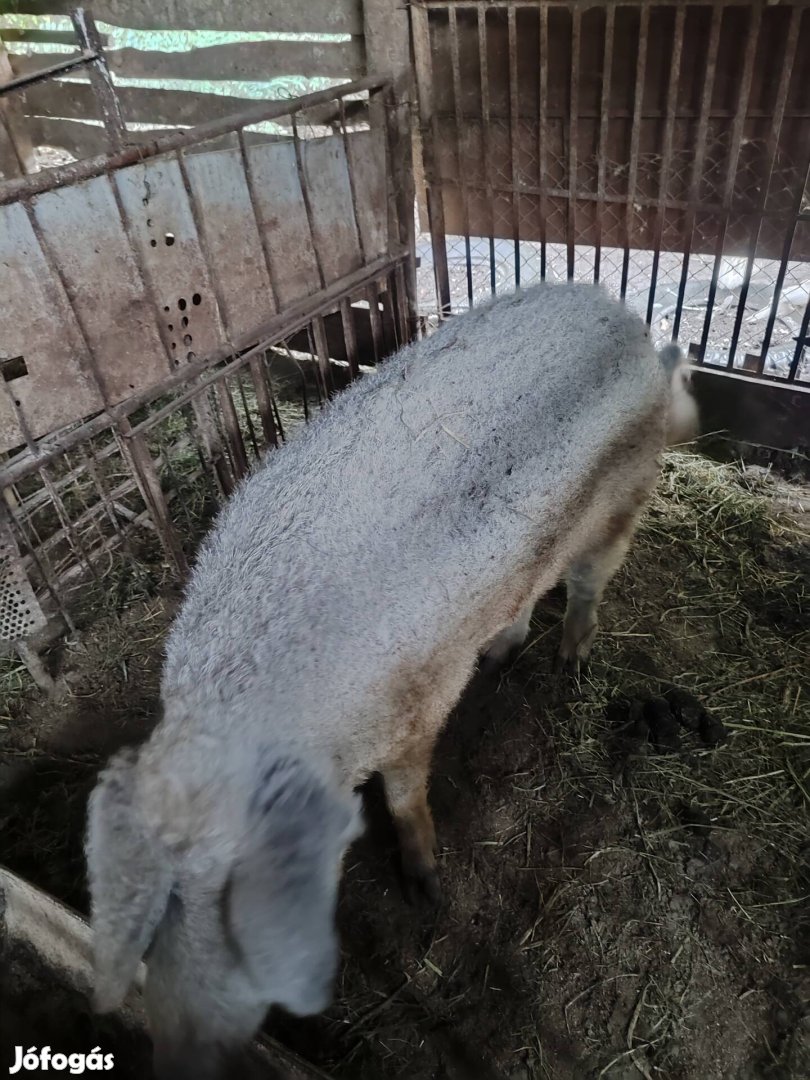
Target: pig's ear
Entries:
(129, 880)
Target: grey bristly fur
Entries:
(334, 615)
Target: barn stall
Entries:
(626, 894)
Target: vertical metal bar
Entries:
(254, 205)
(573, 135)
(483, 62)
(350, 166)
(514, 136)
(666, 159)
(302, 180)
(389, 320)
(802, 342)
(397, 280)
(774, 134)
(700, 154)
(304, 395)
(248, 418)
(136, 453)
(229, 466)
(788, 244)
(542, 134)
(635, 137)
(601, 186)
(264, 402)
(349, 337)
(323, 393)
(737, 129)
(427, 122)
(460, 128)
(232, 430)
(100, 79)
(397, 119)
(322, 353)
(374, 319)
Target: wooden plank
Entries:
(16, 149)
(287, 16)
(147, 105)
(44, 37)
(83, 231)
(37, 324)
(283, 218)
(228, 224)
(767, 413)
(163, 228)
(367, 149)
(88, 140)
(246, 61)
(327, 180)
(38, 925)
(387, 37)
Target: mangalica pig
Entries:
(336, 612)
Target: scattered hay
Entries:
(609, 911)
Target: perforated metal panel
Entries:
(20, 613)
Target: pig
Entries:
(335, 614)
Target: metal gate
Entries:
(658, 147)
(171, 310)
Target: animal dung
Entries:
(659, 720)
(664, 728)
(685, 707)
(712, 730)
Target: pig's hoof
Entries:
(420, 885)
(493, 665)
(566, 666)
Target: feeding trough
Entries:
(45, 991)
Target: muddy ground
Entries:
(611, 907)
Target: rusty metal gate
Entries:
(170, 311)
(661, 148)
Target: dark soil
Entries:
(613, 906)
(36, 1013)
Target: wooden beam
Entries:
(145, 105)
(54, 938)
(16, 149)
(766, 413)
(88, 140)
(45, 37)
(386, 30)
(248, 61)
(288, 16)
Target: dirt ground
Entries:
(613, 906)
